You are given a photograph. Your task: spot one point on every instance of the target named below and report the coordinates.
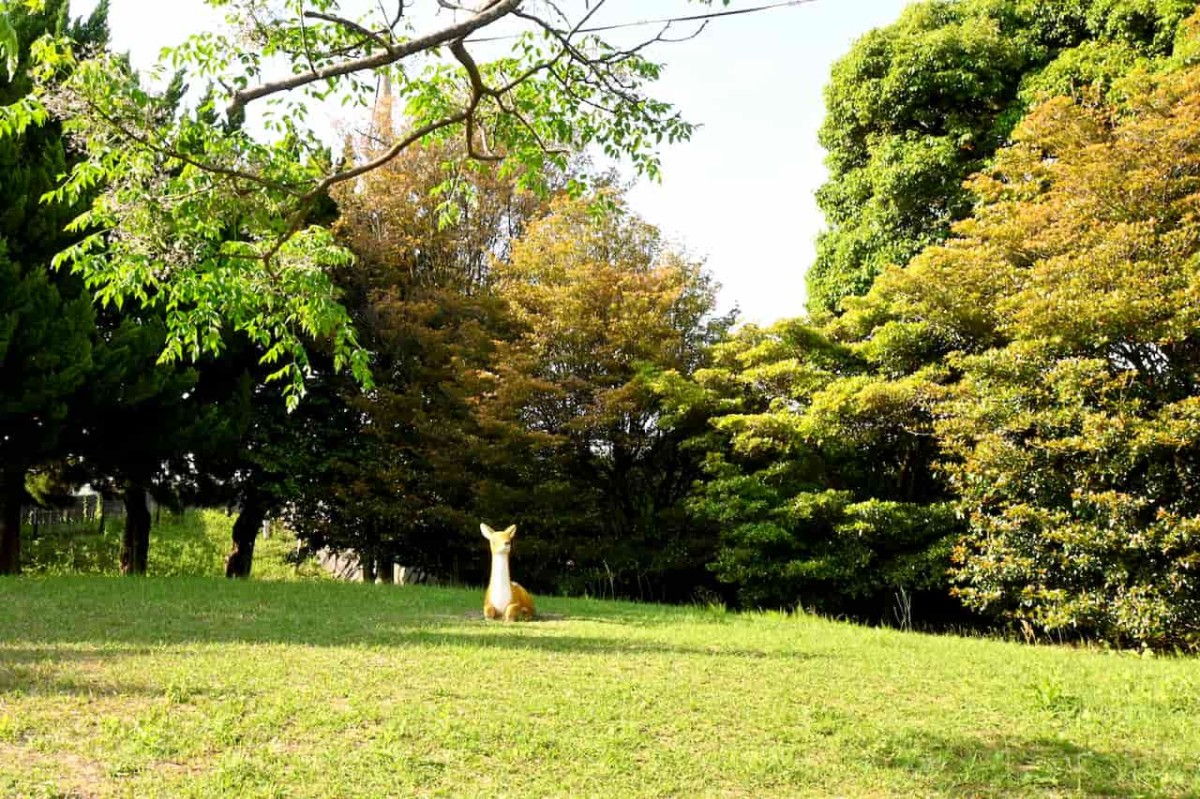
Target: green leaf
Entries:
(9, 46)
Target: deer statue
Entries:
(505, 599)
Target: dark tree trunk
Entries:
(245, 531)
(135, 542)
(12, 492)
(384, 570)
(368, 555)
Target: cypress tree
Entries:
(46, 319)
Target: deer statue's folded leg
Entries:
(515, 612)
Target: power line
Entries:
(668, 20)
(698, 17)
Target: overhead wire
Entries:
(704, 17)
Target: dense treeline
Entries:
(918, 106)
(512, 354)
(988, 416)
(1006, 417)
(512, 333)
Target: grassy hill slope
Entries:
(187, 687)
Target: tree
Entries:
(1073, 441)
(292, 464)
(580, 456)
(1031, 376)
(174, 190)
(1058, 322)
(915, 108)
(819, 474)
(419, 292)
(136, 423)
(46, 320)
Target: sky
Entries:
(740, 193)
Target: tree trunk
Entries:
(245, 531)
(135, 542)
(385, 570)
(12, 492)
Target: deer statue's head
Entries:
(501, 541)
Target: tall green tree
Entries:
(176, 188)
(136, 423)
(819, 474)
(1073, 443)
(46, 318)
(1055, 332)
(915, 108)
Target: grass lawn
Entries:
(193, 686)
(193, 544)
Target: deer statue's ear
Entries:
(511, 530)
(487, 531)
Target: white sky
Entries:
(740, 193)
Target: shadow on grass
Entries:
(45, 671)
(124, 614)
(1003, 766)
(127, 643)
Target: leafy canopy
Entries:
(211, 217)
(915, 108)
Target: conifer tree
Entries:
(46, 317)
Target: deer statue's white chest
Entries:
(500, 586)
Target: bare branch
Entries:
(383, 14)
(348, 24)
(584, 20)
(687, 37)
(491, 12)
(570, 92)
(304, 40)
(478, 91)
(607, 81)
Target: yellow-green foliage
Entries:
(915, 108)
(1070, 436)
(1030, 381)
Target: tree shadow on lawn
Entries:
(122, 614)
(73, 672)
(1004, 766)
(129, 641)
(65, 667)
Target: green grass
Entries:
(188, 687)
(191, 544)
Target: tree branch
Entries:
(490, 13)
(304, 204)
(170, 152)
(349, 25)
(478, 91)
